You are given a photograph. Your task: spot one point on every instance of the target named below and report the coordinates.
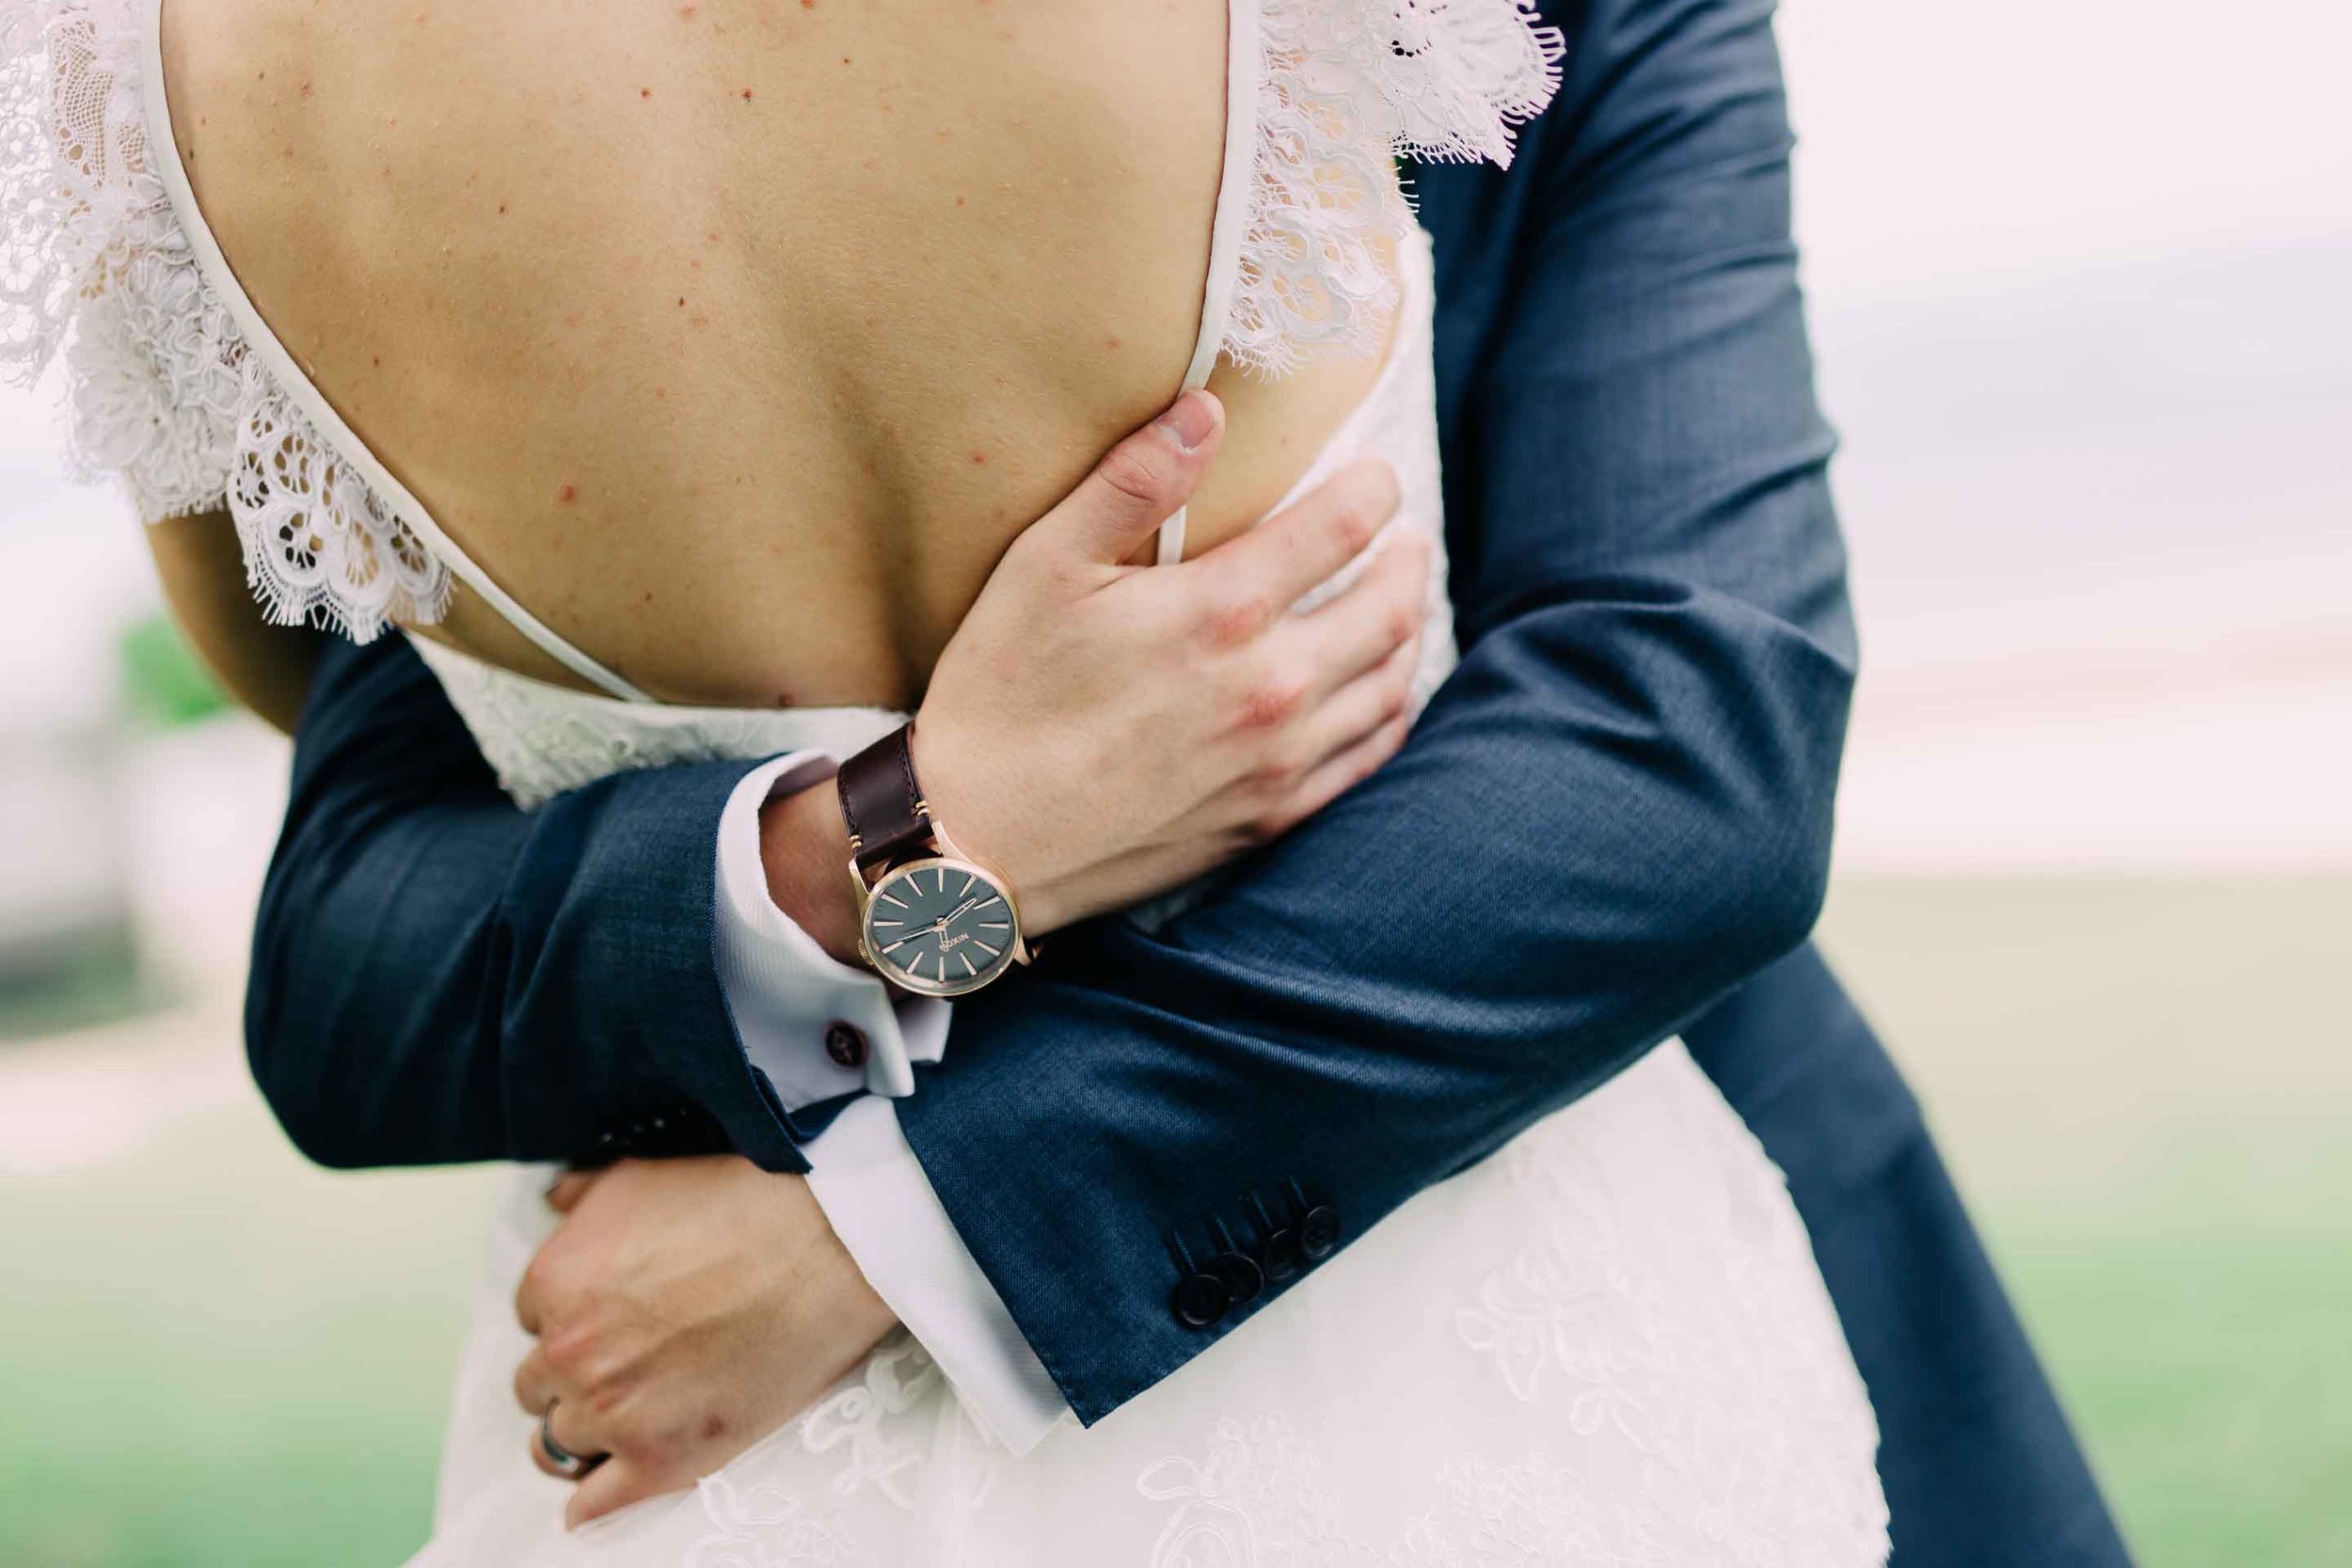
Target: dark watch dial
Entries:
(939, 927)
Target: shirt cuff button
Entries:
(846, 1044)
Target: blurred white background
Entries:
(2078, 272)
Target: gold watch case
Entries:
(942, 925)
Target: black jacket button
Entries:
(1239, 1274)
(846, 1044)
(1199, 1300)
(1279, 1255)
(1319, 1232)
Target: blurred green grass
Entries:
(2144, 1086)
(2196, 1318)
(213, 1355)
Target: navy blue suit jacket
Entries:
(1615, 814)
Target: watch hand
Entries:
(959, 911)
(893, 947)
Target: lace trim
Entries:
(1348, 86)
(97, 277)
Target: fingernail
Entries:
(1189, 420)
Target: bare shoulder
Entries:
(847, 128)
(853, 288)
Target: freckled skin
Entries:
(938, 258)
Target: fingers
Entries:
(615, 1485)
(530, 1301)
(563, 1422)
(1273, 566)
(541, 1290)
(1341, 773)
(1358, 629)
(1138, 484)
(535, 1383)
(564, 1195)
(1367, 703)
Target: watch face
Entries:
(939, 927)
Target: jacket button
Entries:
(846, 1044)
(1199, 1300)
(1319, 1232)
(1239, 1274)
(1279, 1255)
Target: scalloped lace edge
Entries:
(97, 276)
(97, 279)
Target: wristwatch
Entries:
(931, 919)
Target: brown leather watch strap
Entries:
(883, 804)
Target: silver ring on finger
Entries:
(569, 1465)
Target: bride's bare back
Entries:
(735, 337)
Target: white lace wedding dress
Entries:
(1608, 1343)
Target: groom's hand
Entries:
(685, 1309)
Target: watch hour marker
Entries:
(967, 885)
(965, 959)
(890, 900)
(995, 924)
(984, 947)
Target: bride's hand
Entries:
(684, 1310)
(1101, 732)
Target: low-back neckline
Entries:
(1226, 231)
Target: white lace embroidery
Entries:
(96, 273)
(96, 276)
(895, 1379)
(1257, 1496)
(878, 1417)
(1348, 86)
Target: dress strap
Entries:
(1244, 61)
(162, 153)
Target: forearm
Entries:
(439, 978)
(1616, 810)
(1548, 880)
(266, 668)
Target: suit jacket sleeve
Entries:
(439, 976)
(1616, 810)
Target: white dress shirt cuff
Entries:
(882, 1207)
(788, 995)
(806, 1018)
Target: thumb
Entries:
(1138, 484)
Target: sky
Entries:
(2078, 271)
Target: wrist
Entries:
(960, 796)
(804, 848)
